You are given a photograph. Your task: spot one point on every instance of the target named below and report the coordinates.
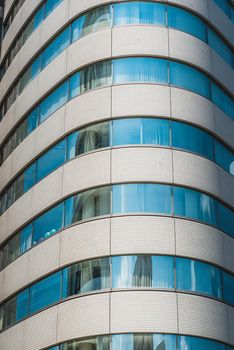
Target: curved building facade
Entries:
(117, 175)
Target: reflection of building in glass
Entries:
(116, 168)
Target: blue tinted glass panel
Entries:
(136, 12)
(187, 22)
(195, 205)
(48, 224)
(96, 75)
(94, 20)
(126, 132)
(222, 100)
(22, 301)
(189, 78)
(25, 239)
(142, 271)
(59, 44)
(32, 121)
(38, 17)
(140, 131)
(224, 157)
(54, 101)
(143, 342)
(29, 177)
(76, 28)
(192, 343)
(218, 45)
(88, 139)
(36, 67)
(88, 204)
(228, 288)
(86, 276)
(149, 198)
(226, 220)
(51, 160)
(45, 292)
(143, 70)
(198, 277)
(193, 139)
(74, 86)
(50, 6)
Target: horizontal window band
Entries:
(130, 198)
(140, 131)
(116, 72)
(149, 341)
(123, 13)
(162, 272)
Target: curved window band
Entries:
(154, 199)
(31, 25)
(118, 71)
(142, 341)
(123, 13)
(133, 131)
(119, 272)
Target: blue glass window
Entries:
(50, 6)
(94, 20)
(148, 198)
(192, 343)
(222, 100)
(137, 12)
(74, 85)
(88, 204)
(54, 101)
(193, 139)
(51, 160)
(140, 69)
(142, 271)
(23, 182)
(86, 276)
(228, 288)
(196, 205)
(226, 220)
(96, 75)
(187, 22)
(198, 277)
(143, 341)
(29, 177)
(88, 139)
(33, 70)
(25, 240)
(45, 292)
(218, 45)
(32, 121)
(59, 44)
(140, 131)
(224, 157)
(38, 18)
(22, 305)
(48, 224)
(189, 78)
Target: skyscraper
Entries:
(117, 165)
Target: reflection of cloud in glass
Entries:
(193, 275)
(206, 205)
(125, 273)
(183, 344)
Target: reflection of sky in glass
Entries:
(143, 271)
(137, 341)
